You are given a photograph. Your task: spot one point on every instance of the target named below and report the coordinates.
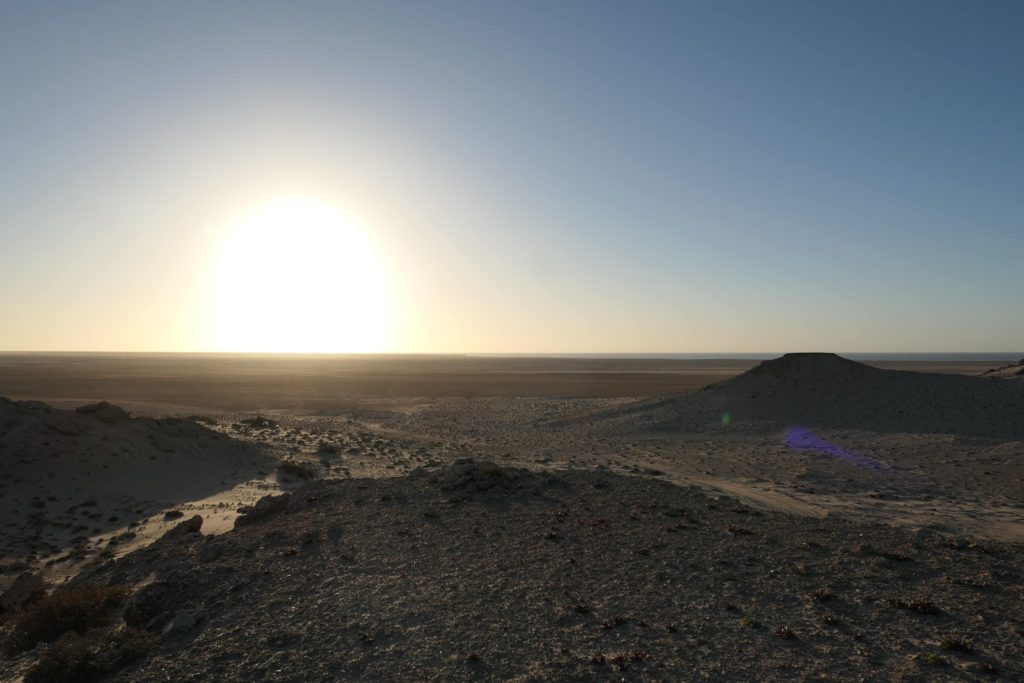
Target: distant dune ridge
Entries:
(828, 391)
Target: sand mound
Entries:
(603, 577)
(66, 475)
(826, 390)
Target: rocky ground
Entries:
(807, 536)
(475, 571)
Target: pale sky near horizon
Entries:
(512, 176)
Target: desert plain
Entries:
(320, 518)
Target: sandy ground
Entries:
(890, 446)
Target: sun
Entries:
(296, 276)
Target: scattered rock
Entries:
(150, 602)
(185, 621)
(260, 422)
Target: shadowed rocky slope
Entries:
(480, 572)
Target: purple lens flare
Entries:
(802, 439)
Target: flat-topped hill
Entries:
(829, 391)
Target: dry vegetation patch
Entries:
(300, 470)
(83, 659)
(71, 608)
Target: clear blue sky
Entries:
(536, 176)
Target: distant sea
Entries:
(1008, 356)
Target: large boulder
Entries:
(264, 507)
(186, 530)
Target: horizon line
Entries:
(511, 354)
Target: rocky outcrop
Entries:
(25, 589)
(468, 475)
(266, 506)
(105, 412)
(187, 530)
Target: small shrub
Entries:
(821, 595)
(77, 659)
(935, 659)
(581, 608)
(894, 556)
(302, 470)
(68, 608)
(956, 644)
(260, 422)
(614, 622)
(785, 633)
(919, 605)
(329, 448)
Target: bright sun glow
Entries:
(297, 276)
